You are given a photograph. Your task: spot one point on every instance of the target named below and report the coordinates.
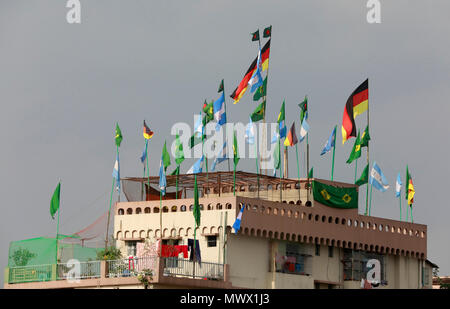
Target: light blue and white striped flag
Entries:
(220, 158)
(219, 111)
(377, 178)
(116, 172)
(250, 132)
(162, 177)
(197, 167)
(304, 129)
(237, 223)
(398, 186)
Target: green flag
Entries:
(365, 138)
(311, 172)
(356, 151)
(408, 177)
(276, 156)
(261, 91)
(194, 140)
(196, 210)
(364, 177)
(281, 115)
(303, 109)
(255, 35)
(267, 32)
(118, 136)
(235, 150)
(335, 197)
(220, 86)
(54, 203)
(166, 157)
(208, 109)
(179, 153)
(259, 112)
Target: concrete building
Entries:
(286, 239)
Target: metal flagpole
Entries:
(370, 207)
(298, 172)
(109, 214)
(400, 200)
(57, 224)
(334, 149)
(368, 142)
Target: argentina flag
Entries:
(219, 111)
(377, 178)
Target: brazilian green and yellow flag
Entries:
(356, 150)
(365, 138)
(235, 150)
(364, 177)
(54, 203)
(165, 157)
(259, 112)
(261, 91)
(208, 109)
(118, 136)
(336, 197)
(179, 153)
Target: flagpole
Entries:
(118, 191)
(265, 108)
(225, 105)
(334, 149)
(57, 224)
(307, 165)
(298, 172)
(281, 176)
(370, 207)
(143, 173)
(109, 213)
(368, 142)
(412, 221)
(400, 200)
(257, 167)
(356, 168)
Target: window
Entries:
(131, 247)
(330, 251)
(292, 258)
(317, 249)
(355, 264)
(212, 241)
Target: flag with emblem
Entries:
(255, 35)
(364, 177)
(261, 91)
(356, 151)
(259, 112)
(118, 135)
(409, 187)
(365, 138)
(267, 33)
(333, 196)
(282, 121)
(303, 109)
(377, 178)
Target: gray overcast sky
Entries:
(63, 87)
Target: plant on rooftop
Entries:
(21, 257)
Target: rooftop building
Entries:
(286, 240)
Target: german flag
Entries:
(148, 134)
(242, 87)
(291, 138)
(357, 104)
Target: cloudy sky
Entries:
(64, 86)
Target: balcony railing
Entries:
(172, 267)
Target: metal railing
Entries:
(87, 270)
(32, 273)
(131, 267)
(185, 268)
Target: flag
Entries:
(267, 32)
(162, 176)
(221, 87)
(303, 109)
(365, 138)
(261, 91)
(196, 210)
(275, 137)
(356, 151)
(357, 103)
(336, 197)
(330, 143)
(221, 157)
(409, 187)
(148, 134)
(116, 172)
(243, 85)
(144, 153)
(259, 112)
(194, 140)
(208, 109)
(291, 138)
(179, 153)
(219, 111)
(304, 129)
(197, 167)
(235, 150)
(198, 127)
(276, 157)
(398, 186)
(282, 121)
(255, 35)
(118, 136)
(237, 223)
(166, 157)
(311, 173)
(256, 80)
(364, 177)
(250, 132)
(377, 178)
(54, 202)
